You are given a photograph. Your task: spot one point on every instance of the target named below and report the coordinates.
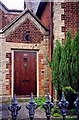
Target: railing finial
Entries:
(76, 103)
(14, 108)
(48, 105)
(63, 104)
(31, 106)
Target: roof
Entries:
(20, 16)
(41, 8)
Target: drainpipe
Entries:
(51, 7)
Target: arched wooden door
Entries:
(25, 73)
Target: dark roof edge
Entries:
(22, 14)
(10, 10)
(41, 8)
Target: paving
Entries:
(5, 114)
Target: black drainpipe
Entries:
(51, 7)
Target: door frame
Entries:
(12, 51)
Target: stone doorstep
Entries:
(22, 98)
(25, 98)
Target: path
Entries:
(22, 114)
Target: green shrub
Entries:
(65, 64)
(70, 95)
(55, 110)
(73, 112)
(20, 100)
(40, 101)
(57, 115)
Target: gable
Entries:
(18, 35)
(26, 14)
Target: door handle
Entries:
(25, 80)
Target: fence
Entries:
(48, 105)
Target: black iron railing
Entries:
(48, 105)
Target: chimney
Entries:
(27, 4)
(31, 5)
(24, 4)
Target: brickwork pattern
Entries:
(39, 42)
(41, 75)
(9, 76)
(70, 17)
(3, 20)
(18, 36)
(46, 20)
(65, 16)
(6, 18)
(3, 70)
(58, 22)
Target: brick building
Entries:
(25, 41)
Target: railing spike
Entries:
(14, 108)
(48, 105)
(63, 104)
(31, 106)
(76, 103)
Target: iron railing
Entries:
(48, 105)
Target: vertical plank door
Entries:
(25, 73)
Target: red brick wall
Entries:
(6, 18)
(70, 17)
(18, 36)
(9, 76)
(41, 76)
(46, 20)
(3, 19)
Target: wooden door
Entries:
(25, 73)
